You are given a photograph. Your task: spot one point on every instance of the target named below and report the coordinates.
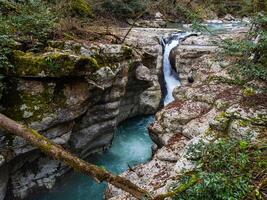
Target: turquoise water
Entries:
(131, 146)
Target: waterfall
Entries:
(170, 76)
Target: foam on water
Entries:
(170, 76)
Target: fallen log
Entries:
(99, 174)
(58, 153)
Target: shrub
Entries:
(252, 63)
(25, 26)
(31, 24)
(81, 8)
(226, 170)
(33, 19)
(123, 8)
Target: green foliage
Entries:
(6, 7)
(24, 26)
(31, 25)
(252, 55)
(33, 20)
(123, 8)
(188, 14)
(237, 7)
(81, 7)
(226, 169)
(5, 51)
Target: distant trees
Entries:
(121, 8)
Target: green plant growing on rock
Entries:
(227, 169)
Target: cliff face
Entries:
(208, 104)
(75, 95)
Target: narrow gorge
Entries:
(169, 95)
(131, 144)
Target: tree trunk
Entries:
(58, 153)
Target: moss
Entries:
(105, 61)
(47, 144)
(112, 61)
(30, 108)
(53, 64)
(221, 122)
(220, 79)
(213, 133)
(64, 63)
(248, 91)
(244, 123)
(93, 62)
(77, 48)
(221, 104)
(81, 7)
(132, 65)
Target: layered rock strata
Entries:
(75, 94)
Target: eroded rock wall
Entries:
(76, 96)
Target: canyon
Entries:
(76, 94)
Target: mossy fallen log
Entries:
(58, 153)
(99, 174)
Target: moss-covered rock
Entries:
(249, 91)
(52, 64)
(220, 122)
(73, 60)
(28, 106)
(81, 7)
(42, 104)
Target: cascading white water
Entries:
(170, 76)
